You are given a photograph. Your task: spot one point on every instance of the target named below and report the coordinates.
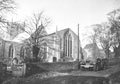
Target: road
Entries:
(73, 77)
(57, 78)
(69, 79)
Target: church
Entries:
(60, 46)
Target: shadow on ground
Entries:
(33, 69)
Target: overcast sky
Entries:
(68, 13)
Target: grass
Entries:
(63, 80)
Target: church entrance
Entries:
(54, 59)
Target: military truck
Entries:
(95, 65)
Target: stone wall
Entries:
(58, 66)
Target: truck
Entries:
(95, 65)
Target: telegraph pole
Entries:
(78, 48)
(78, 43)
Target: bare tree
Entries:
(14, 29)
(35, 27)
(114, 19)
(6, 6)
(103, 36)
(108, 33)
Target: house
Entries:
(93, 51)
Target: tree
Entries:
(6, 6)
(114, 20)
(14, 29)
(35, 27)
(103, 36)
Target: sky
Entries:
(67, 13)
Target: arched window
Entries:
(68, 45)
(66, 41)
(11, 51)
(45, 49)
(22, 52)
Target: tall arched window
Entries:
(45, 49)
(22, 52)
(68, 45)
(11, 51)
(66, 41)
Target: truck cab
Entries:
(95, 65)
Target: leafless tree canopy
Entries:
(6, 6)
(34, 22)
(102, 36)
(114, 19)
(35, 26)
(108, 33)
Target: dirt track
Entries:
(73, 77)
(103, 73)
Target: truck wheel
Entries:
(96, 68)
(81, 68)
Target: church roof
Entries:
(61, 33)
(88, 46)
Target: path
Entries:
(103, 73)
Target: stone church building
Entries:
(60, 46)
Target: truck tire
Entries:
(96, 67)
(81, 68)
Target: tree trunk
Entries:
(117, 51)
(35, 52)
(107, 52)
